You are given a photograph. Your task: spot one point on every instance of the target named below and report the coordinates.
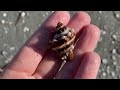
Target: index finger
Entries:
(30, 55)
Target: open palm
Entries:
(30, 64)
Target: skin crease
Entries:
(33, 61)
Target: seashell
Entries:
(63, 41)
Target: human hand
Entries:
(28, 63)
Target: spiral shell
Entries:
(63, 41)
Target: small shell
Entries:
(63, 41)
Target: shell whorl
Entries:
(63, 41)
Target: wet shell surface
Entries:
(63, 41)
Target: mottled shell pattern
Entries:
(63, 41)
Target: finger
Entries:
(31, 53)
(79, 20)
(89, 66)
(50, 64)
(87, 42)
(88, 39)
